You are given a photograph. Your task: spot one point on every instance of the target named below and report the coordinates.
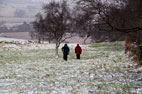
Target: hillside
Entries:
(26, 36)
(33, 69)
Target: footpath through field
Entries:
(33, 69)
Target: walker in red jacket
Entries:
(78, 51)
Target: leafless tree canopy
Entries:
(54, 23)
(124, 15)
(90, 16)
(120, 16)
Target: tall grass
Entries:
(113, 46)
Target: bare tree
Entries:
(39, 30)
(122, 16)
(84, 25)
(88, 14)
(56, 22)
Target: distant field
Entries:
(26, 36)
(16, 35)
(11, 39)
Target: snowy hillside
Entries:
(33, 69)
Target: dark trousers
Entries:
(65, 57)
(78, 56)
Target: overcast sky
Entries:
(8, 8)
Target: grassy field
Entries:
(103, 69)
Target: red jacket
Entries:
(78, 49)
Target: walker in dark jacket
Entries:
(65, 51)
(78, 51)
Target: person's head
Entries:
(65, 45)
(77, 44)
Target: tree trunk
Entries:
(86, 39)
(57, 55)
(39, 40)
(49, 40)
(57, 46)
(42, 40)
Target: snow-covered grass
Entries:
(33, 69)
(11, 39)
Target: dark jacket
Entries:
(78, 49)
(65, 49)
